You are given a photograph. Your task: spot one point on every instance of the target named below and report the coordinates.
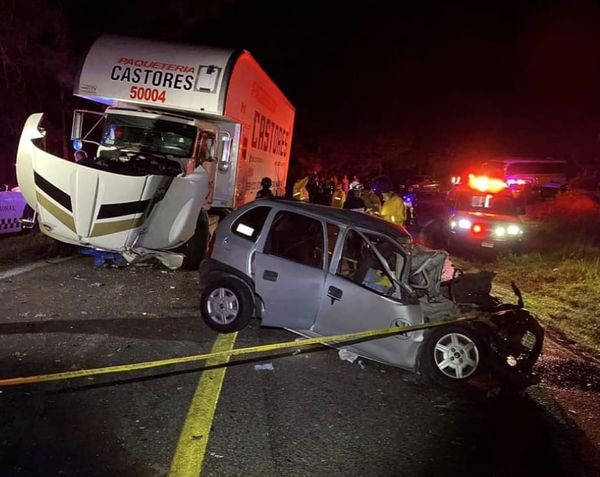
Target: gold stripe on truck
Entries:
(106, 228)
(63, 217)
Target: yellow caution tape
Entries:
(361, 335)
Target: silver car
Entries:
(322, 271)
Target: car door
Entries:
(290, 270)
(360, 295)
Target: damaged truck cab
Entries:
(187, 135)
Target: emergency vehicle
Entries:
(525, 174)
(484, 213)
(13, 210)
(188, 133)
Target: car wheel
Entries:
(227, 305)
(451, 356)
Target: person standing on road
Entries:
(371, 200)
(393, 209)
(299, 191)
(339, 197)
(354, 201)
(355, 183)
(265, 192)
(345, 184)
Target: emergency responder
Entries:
(371, 200)
(393, 209)
(299, 191)
(339, 197)
(410, 201)
(355, 182)
(354, 201)
(265, 192)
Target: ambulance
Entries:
(484, 213)
(185, 134)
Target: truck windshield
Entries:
(152, 135)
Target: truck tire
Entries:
(227, 304)
(195, 248)
(451, 356)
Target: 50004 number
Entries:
(147, 94)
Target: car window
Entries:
(296, 237)
(333, 231)
(250, 224)
(359, 264)
(391, 253)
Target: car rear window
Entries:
(298, 238)
(250, 224)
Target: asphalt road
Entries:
(312, 414)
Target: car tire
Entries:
(451, 356)
(227, 304)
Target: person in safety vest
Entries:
(393, 209)
(371, 200)
(300, 192)
(339, 197)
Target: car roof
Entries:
(341, 216)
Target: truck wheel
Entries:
(451, 356)
(226, 305)
(195, 248)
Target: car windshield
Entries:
(153, 135)
(503, 204)
(360, 264)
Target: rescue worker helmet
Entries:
(266, 182)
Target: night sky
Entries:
(463, 78)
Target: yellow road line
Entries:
(193, 440)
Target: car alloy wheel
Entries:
(222, 306)
(227, 304)
(456, 355)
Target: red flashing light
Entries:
(476, 229)
(486, 184)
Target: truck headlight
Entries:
(464, 224)
(500, 231)
(514, 230)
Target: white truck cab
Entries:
(188, 132)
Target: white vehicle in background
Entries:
(526, 174)
(188, 134)
(13, 210)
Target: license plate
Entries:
(528, 340)
(487, 244)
